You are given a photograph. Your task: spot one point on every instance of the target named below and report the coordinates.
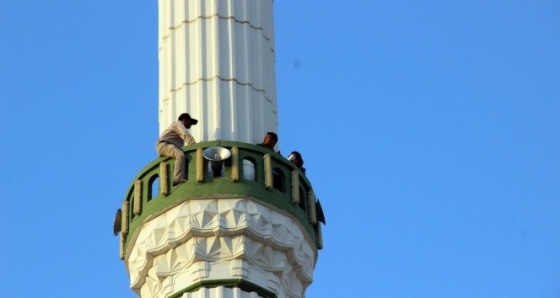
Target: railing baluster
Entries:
(137, 197)
(295, 187)
(268, 183)
(163, 179)
(199, 165)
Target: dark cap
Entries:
(188, 117)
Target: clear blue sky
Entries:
(430, 131)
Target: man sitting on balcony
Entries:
(270, 140)
(172, 139)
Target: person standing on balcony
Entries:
(296, 159)
(172, 140)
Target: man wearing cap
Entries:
(172, 139)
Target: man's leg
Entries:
(170, 150)
(179, 170)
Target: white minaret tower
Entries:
(216, 62)
(252, 227)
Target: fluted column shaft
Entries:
(216, 62)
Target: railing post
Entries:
(268, 183)
(319, 237)
(234, 163)
(137, 197)
(124, 228)
(163, 182)
(295, 187)
(199, 165)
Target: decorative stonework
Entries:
(202, 240)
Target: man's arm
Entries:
(184, 133)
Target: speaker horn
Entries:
(216, 155)
(117, 224)
(320, 214)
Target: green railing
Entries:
(251, 171)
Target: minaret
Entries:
(252, 228)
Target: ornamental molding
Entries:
(202, 240)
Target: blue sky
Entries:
(430, 131)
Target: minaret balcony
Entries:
(251, 172)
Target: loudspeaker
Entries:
(320, 214)
(216, 155)
(117, 223)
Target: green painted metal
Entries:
(223, 186)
